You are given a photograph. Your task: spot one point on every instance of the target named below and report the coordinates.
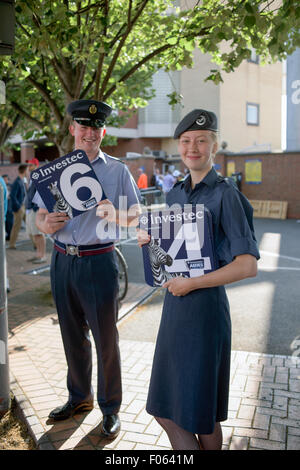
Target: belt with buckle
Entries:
(83, 250)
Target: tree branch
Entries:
(23, 29)
(6, 130)
(89, 7)
(101, 55)
(23, 113)
(146, 59)
(130, 72)
(59, 72)
(47, 98)
(121, 45)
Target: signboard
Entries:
(68, 184)
(181, 243)
(230, 168)
(253, 171)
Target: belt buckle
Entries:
(72, 250)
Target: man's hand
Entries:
(124, 218)
(179, 286)
(50, 222)
(107, 211)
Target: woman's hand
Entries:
(142, 237)
(179, 286)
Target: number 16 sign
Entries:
(68, 184)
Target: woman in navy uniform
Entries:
(189, 386)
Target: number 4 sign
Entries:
(68, 184)
(181, 243)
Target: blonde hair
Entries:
(215, 138)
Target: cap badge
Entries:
(201, 120)
(93, 109)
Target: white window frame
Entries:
(249, 120)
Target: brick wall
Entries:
(11, 170)
(132, 145)
(280, 178)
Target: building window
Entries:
(254, 58)
(252, 112)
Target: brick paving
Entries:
(264, 404)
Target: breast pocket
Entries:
(112, 192)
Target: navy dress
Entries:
(191, 368)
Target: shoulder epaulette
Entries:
(114, 158)
(228, 181)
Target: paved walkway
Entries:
(264, 405)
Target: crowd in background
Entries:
(19, 209)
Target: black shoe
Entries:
(70, 409)
(110, 426)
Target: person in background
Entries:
(9, 214)
(158, 179)
(142, 182)
(168, 181)
(177, 175)
(38, 237)
(17, 195)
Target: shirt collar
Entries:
(100, 156)
(209, 180)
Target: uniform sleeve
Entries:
(130, 188)
(239, 238)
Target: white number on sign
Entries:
(188, 234)
(69, 190)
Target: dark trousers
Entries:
(9, 222)
(85, 291)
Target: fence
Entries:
(151, 196)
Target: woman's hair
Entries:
(214, 135)
(215, 139)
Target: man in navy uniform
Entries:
(84, 274)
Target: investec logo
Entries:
(178, 215)
(178, 222)
(57, 166)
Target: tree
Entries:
(110, 49)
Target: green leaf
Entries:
(249, 21)
(172, 41)
(249, 8)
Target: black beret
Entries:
(90, 113)
(198, 119)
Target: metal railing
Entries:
(4, 368)
(152, 196)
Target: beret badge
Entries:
(93, 109)
(201, 120)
